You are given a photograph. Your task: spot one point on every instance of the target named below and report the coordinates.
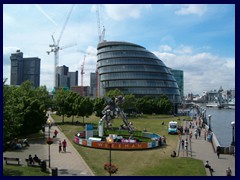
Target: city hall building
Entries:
(134, 70)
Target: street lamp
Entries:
(110, 142)
(209, 116)
(233, 139)
(49, 141)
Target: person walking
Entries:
(64, 144)
(228, 172)
(182, 144)
(60, 146)
(218, 151)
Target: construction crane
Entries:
(55, 47)
(101, 33)
(82, 72)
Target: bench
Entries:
(35, 164)
(7, 159)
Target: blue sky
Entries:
(196, 38)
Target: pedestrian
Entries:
(208, 166)
(195, 133)
(55, 133)
(60, 145)
(229, 172)
(182, 144)
(199, 131)
(186, 144)
(218, 151)
(64, 144)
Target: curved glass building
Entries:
(134, 70)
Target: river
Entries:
(221, 123)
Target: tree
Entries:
(71, 108)
(85, 107)
(113, 93)
(98, 106)
(61, 102)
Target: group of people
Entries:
(62, 145)
(33, 160)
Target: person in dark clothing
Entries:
(30, 159)
(208, 166)
(36, 159)
(218, 151)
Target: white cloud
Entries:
(165, 48)
(198, 9)
(7, 19)
(202, 71)
(122, 11)
(183, 49)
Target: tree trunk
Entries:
(83, 119)
(72, 119)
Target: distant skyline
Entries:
(196, 38)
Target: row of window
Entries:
(120, 48)
(136, 76)
(115, 54)
(113, 61)
(139, 83)
(127, 68)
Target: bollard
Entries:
(54, 171)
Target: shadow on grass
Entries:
(12, 172)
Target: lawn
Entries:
(152, 162)
(13, 170)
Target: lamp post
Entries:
(209, 116)
(49, 141)
(110, 142)
(233, 139)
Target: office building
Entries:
(134, 70)
(23, 69)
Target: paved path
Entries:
(68, 164)
(201, 149)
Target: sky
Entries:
(196, 38)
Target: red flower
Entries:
(110, 168)
(49, 141)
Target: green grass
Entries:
(13, 170)
(151, 162)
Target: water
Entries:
(221, 123)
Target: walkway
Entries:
(68, 164)
(201, 149)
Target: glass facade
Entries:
(134, 70)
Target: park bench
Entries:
(36, 164)
(7, 159)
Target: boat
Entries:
(212, 105)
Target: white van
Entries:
(172, 127)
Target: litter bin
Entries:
(54, 171)
(43, 166)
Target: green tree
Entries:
(98, 106)
(113, 93)
(61, 103)
(71, 108)
(85, 107)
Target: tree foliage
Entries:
(24, 109)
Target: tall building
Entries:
(93, 84)
(66, 78)
(178, 75)
(134, 70)
(23, 69)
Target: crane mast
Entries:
(101, 33)
(55, 47)
(82, 72)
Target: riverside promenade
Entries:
(203, 150)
